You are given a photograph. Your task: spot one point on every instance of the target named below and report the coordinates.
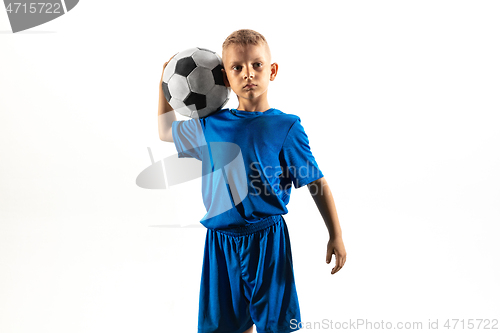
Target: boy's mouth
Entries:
(250, 85)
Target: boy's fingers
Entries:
(336, 268)
(165, 64)
(329, 253)
(339, 263)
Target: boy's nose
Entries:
(248, 74)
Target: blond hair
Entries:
(245, 37)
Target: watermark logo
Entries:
(24, 15)
(225, 178)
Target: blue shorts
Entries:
(247, 278)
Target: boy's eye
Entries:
(236, 68)
(259, 64)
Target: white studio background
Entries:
(400, 103)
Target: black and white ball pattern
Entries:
(193, 83)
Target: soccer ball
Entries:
(193, 83)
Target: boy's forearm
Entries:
(166, 117)
(324, 201)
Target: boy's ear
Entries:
(224, 77)
(274, 71)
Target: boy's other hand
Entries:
(336, 247)
(165, 65)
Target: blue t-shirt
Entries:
(249, 162)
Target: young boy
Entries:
(247, 275)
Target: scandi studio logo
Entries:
(28, 14)
(227, 175)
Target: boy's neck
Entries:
(247, 105)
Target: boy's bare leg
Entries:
(250, 330)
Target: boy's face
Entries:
(248, 70)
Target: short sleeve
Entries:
(300, 162)
(188, 138)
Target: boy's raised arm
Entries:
(166, 114)
(324, 201)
